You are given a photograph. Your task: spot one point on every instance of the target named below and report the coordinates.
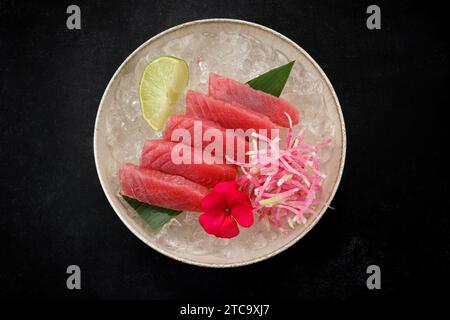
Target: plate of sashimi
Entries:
(220, 143)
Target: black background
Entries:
(391, 207)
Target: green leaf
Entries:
(154, 216)
(273, 81)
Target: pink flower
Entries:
(224, 208)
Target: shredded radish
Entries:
(283, 183)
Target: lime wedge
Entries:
(162, 82)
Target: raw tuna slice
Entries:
(226, 114)
(235, 92)
(157, 155)
(161, 189)
(187, 122)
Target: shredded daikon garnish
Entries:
(283, 183)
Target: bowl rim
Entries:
(335, 185)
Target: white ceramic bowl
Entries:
(317, 88)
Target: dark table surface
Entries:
(391, 207)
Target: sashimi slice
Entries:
(157, 155)
(228, 115)
(232, 91)
(235, 142)
(160, 189)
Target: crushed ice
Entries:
(237, 56)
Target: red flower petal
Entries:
(229, 228)
(214, 202)
(243, 214)
(234, 196)
(224, 208)
(220, 225)
(212, 222)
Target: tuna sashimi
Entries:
(235, 92)
(187, 122)
(160, 189)
(157, 155)
(228, 115)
